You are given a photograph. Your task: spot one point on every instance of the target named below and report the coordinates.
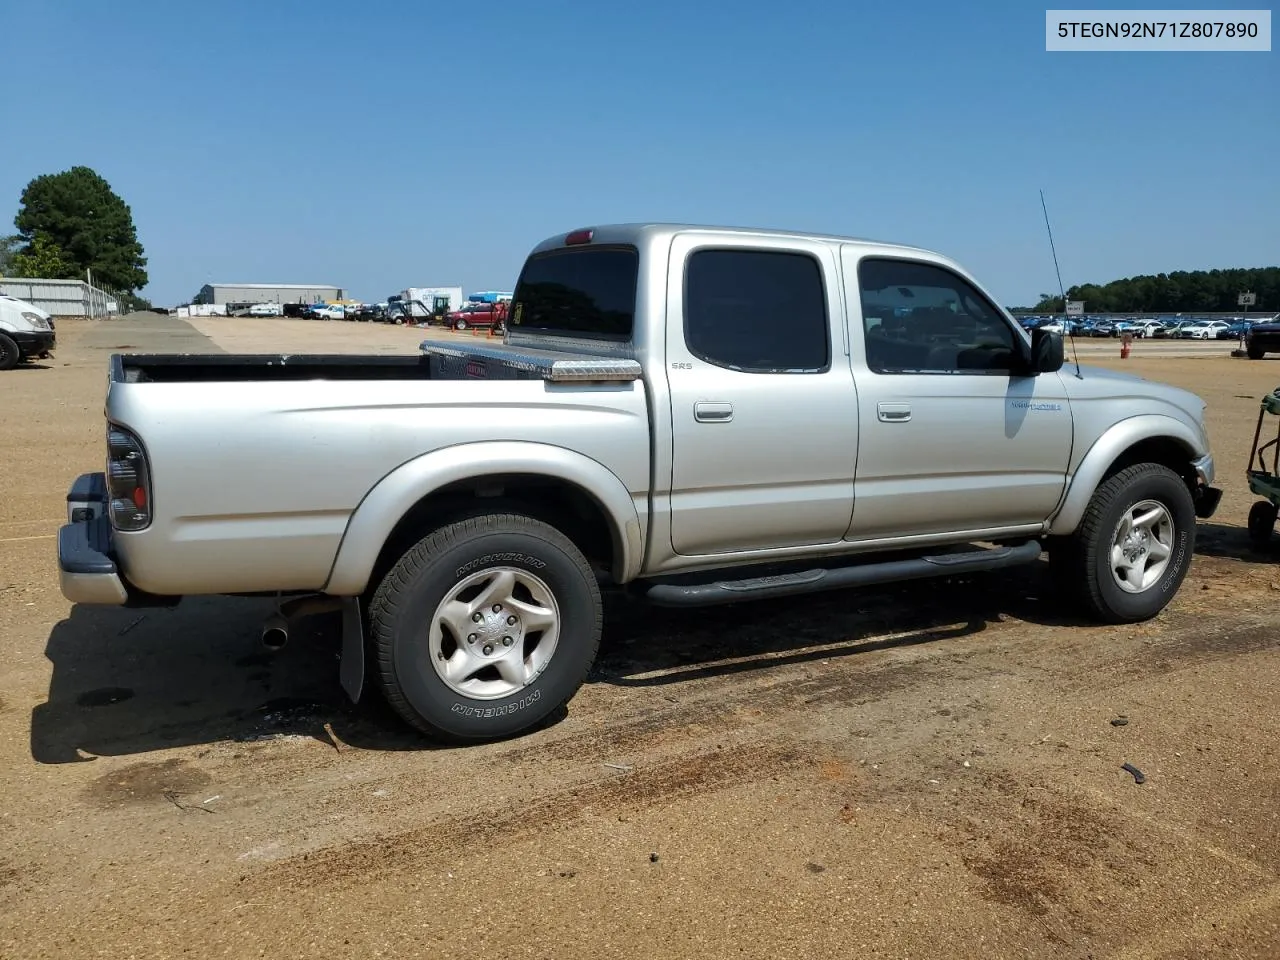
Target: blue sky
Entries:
(382, 145)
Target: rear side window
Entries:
(757, 311)
(583, 292)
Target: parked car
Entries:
(1236, 329)
(1172, 329)
(1204, 329)
(26, 332)
(477, 315)
(265, 310)
(788, 414)
(328, 311)
(1145, 329)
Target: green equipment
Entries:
(1263, 481)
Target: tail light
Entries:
(128, 481)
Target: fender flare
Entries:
(383, 507)
(1118, 438)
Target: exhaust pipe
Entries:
(275, 629)
(275, 632)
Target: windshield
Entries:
(580, 292)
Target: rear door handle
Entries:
(707, 411)
(893, 412)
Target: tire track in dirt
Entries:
(660, 784)
(1036, 843)
(732, 705)
(704, 744)
(1180, 641)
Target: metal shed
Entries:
(62, 298)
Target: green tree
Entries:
(8, 249)
(42, 258)
(1195, 291)
(88, 222)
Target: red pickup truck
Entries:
(478, 315)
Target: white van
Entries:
(26, 332)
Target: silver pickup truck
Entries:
(702, 415)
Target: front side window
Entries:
(922, 318)
(757, 311)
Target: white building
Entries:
(224, 293)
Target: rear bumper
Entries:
(87, 567)
(87, 570)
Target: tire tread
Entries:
(414, 562)
(1078, 555)
(10, 352)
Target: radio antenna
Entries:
(1066, 322)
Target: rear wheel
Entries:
(1255, 353)
(1133, 547)
(485, 628)
(1262, 521)
(10, 355)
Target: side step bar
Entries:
(836, 578)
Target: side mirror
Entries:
(1047, 351)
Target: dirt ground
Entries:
(924, 771)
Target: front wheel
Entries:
(1255, 353)
(460, 325)
(485, 628)
(1133, 547)
(10, 355)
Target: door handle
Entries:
(893, 412)
(706, 411)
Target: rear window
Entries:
(583, 292)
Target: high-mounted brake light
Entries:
(578, 237)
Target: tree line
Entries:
(1196, 291)
(72, 222)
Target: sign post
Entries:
(1071, 308)
(1246, 299)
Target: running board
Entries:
(836, 578)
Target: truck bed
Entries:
(259, 462)
(437, 360)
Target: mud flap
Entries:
(351, 670)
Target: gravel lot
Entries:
(924, 771)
